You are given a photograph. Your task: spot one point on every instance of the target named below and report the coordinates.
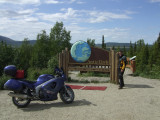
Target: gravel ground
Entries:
(139, 100)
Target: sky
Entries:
(118, 20)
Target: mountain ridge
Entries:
(12, 42)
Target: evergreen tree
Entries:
(140, 44)
(22, 55)
(103, 43)
(151, 57)
(135, 48)
(145, 54)
(6, 55)
(142, 59)
(41, 51)
(131, 50)
(118, 49)
(91, 42)
(113, 48)
(158, 40)
(158, 50)
(124, 50)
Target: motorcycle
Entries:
(45, 88)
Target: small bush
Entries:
(93, 74)
(154, 73)
(3, 80)
(34, 73)
(53, 62)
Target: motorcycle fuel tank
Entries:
(43, 78)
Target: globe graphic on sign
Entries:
(80, 51)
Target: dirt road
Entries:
(139, 100)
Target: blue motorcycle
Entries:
(45, 88)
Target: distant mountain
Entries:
(13, 42)
(115, 44)
(32, 42)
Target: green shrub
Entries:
(34, 73)
(93, 74)
(153, 73)
(3, 80)
(53, 62)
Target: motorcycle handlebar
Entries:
(58, 71)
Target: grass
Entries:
(3, 80)
(153, 73)
(93, 74)
(150, 76)
(85, 81)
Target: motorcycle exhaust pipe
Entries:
(19, 95)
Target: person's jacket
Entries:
(121, 64)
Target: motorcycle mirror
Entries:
(62, 68)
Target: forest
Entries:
(42, 57)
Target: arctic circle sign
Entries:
(80, 51)
(82, 57)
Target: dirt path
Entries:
(139, 100)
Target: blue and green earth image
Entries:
(80, 51)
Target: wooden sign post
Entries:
(100, 61)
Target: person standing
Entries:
(121, 68)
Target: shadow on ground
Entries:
(42, 106)
(137, 86)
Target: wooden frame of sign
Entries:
(100, 61)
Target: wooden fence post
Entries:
(113, 65)
(110, 63)
(63, 60)
(67, 61)
(60, 60)
(116, 68)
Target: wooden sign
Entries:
(98, 57)
(100, 61)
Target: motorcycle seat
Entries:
(28, 81)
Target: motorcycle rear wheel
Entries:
(67, 96)
(20, 103)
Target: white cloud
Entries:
(21, 1)
(110, 34)
(20, 29)
(63, 1)
(20, 23)
(82, 15)
(53, 1)
(17, 14)
(77, 1)
(68, 15)
(130, 12)
(80, 2)
(71, 1)
(153, 1)
(98, 17)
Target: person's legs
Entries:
(121, 81)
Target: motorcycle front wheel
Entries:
(67, 95)
(20, 103)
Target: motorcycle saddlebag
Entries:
(10, 70)
(13, 85)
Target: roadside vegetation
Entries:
(42, 57)
(148, 58)
(95, 74)
(70, 80)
